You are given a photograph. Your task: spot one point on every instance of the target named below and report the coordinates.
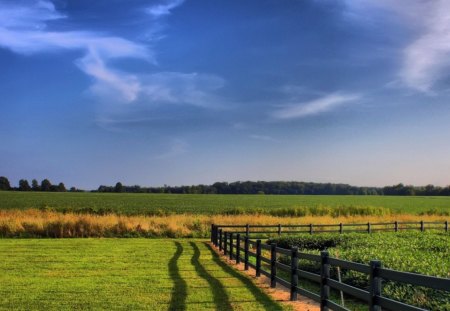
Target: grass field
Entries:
(125, 274)
(133, 204)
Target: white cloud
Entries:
(159, 10)
(426, 60)
(23, 30)
(181, 88)
(314, 107)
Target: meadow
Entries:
(118, 274)
(276, 205)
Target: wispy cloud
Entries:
(314, 107)
(162, 9)
(24, 30)
(426, 59)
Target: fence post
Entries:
(247, 229)
(258, 258)
(225, 246)
(231, 245)
(422, 227)
(294, 273)
(369, 229)
(310, 228)
(212, 233)
(273, 265)
(446, 226)
(246, 252)
(220, 239)
(279, 229)
(396, 226)
(324, 276)
(374, 286)
(341, 228)
(238, 248)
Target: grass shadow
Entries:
(179, 291)
(221, 298)
(258, 294)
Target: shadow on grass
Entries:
(179, 291)
(258, 294)
(221, 298)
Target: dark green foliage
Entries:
(24, 185)
(35, 185)
(417, 252)
(4, 183)
(46, 185)
(118, 187)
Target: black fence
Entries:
(266, 230)
(239, 246)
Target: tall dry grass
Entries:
(37, 223)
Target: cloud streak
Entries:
(23, 30)
(314, 107)
(426, 59)
(163, 9)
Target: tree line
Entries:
(246, 187)
(283, 187)
(24, 185)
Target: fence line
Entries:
(230, 243)
(323, 228)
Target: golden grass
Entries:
(37, 223)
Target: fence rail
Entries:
(230, 242)
(322, 228)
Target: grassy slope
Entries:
(209, 204)
(130, 274)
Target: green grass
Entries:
(125, 274)
(210, 204)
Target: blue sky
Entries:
(185, 92)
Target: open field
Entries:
(278, 205)
(125, 274)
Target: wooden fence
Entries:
(239, 246)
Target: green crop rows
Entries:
(213, 204)
(418, 252)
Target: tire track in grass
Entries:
(221, 298)
(179, 291)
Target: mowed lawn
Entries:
(121, 274)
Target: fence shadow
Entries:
(221, 298)
(260, 297)
(179, 291)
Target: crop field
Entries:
(121, 274)
(417, 252)
(276, 205)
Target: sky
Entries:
(182, 92)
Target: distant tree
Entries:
(35, 185)
(73, 189)
(4, 183)
(61, 187)
(46, 185)
(24, 185)
(118, 187)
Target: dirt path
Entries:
(280, 293)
